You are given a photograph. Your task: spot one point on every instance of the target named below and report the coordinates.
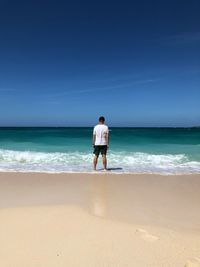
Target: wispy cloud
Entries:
(119, 86)
(104, 88)
(184, 38)
(7, 89)
(53, 102)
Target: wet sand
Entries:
(99, 219)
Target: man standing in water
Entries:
(100, 142)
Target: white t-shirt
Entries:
(100, 130)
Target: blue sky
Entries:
(65, 63)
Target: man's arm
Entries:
(93, 139)
(107, 138)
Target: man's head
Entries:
(101, 119)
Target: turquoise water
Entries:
(135, 150)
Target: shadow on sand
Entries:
(114, 169)
(111, 169)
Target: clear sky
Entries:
(65, 63)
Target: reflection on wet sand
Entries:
(98, 197)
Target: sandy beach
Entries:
(99, 220)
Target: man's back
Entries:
(101, 131)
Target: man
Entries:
(100, 142)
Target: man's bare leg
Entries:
(104, 162)
(95, 160)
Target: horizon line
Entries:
(194, 126)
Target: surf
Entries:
(118, 161)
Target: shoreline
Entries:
(98, 172)
(79, 219)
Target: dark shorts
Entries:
(98, 149)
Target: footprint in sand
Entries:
(146, 236)
(195, 262)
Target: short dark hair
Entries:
(101, 119)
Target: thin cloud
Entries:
(53, 102)
(184, 38)
(107, 88)
(7, 89)
(115, 87)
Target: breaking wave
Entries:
(126, 162)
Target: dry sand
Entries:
(99, 220)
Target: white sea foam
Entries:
(127, 162)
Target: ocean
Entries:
(132, 150)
